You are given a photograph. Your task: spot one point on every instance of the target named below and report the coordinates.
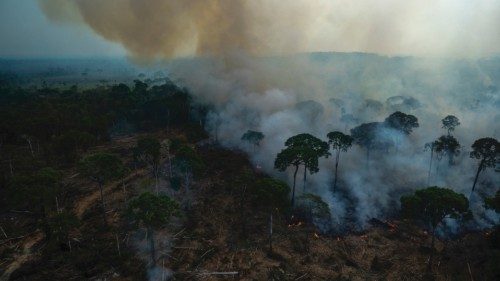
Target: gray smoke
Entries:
(285, 96)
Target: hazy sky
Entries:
(26, 32)
(171, 28)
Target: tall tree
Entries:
(431, 206)
(448, 145)
(148, 151)
(102, 168)
(152, 212)
(487, 150)
(402, 122)
(302, 149)
(339, 142)
(432, 147)
(272, 195)
(450, 122)
(253, 137)
(365, 135)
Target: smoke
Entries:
(171, 28)
(249, 73)
(310, 93)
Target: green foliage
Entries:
(253, 137)
(339, 141)
(152, 211)
(450, 122)
(493, 202)
(433, 204)
(61, 224)
(271, 193)
(187, 159)
(365, 135)
(315, 206)
(102, 167)
(402, 122)
(487, 150)
(37, 189)
(147, 150)
(302, 149)
(447, 145)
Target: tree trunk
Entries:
(430, 167)
(429, 265)
(45, 222)
(271, 232)
(102, 202)
(293, 188)
(152, 246)
(305, 177)
(336, 170)
(477, 175)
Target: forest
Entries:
(126, 182)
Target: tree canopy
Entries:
(402, 122)
(450, 122)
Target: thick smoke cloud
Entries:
(171, 28)
(254, 83)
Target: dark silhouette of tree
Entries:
(493, 202)
(365, 135)
(253, 137)
(431, 205)
(102, 168)
(302, 149)
(432, 147)
(148, 151)
(402, 122)
(487, 150)
(448, 145)
(339, 142)
(187, 160)
(314, 210)
(450, 122)
(152, 212)
(38, 190)
(272, 195)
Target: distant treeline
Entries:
(53, 127)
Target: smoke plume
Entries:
(170, 28)
(254, 81)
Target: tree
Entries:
(302, 149)
(272, 195)
(148, 151)
(102, 168)
(39, 191)
(253, 137)
(450, 122)
(487, 150)
(365, 135)
(339, 142)
(431, 205)
(448, 145)
(493, 202)
(402, 122)
(432, 147)
(314, 210)
(188, 161)
(152, 211)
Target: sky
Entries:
(26, 32)
(174, 28)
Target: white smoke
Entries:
(282, 97)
